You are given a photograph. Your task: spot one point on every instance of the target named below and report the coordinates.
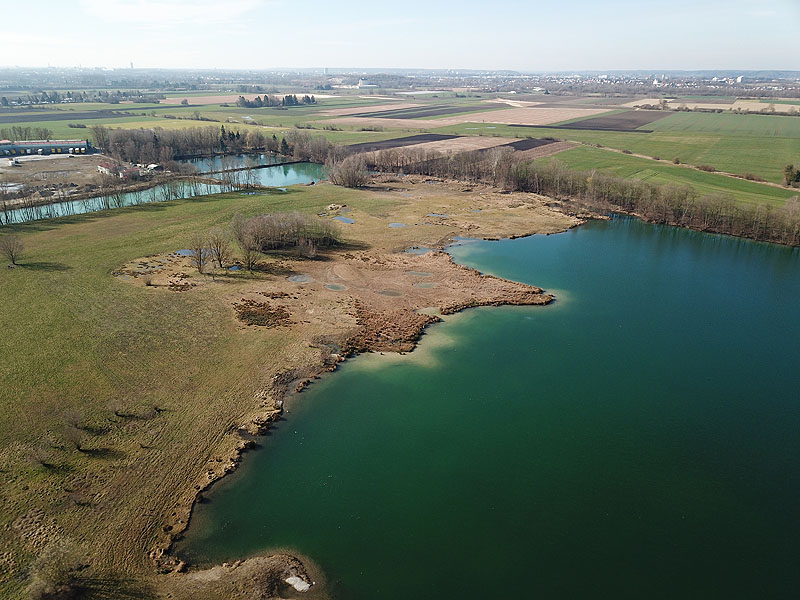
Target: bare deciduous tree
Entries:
(200, 253)
(247, 241)
(11, 246)
(218, 246)
(73, 436)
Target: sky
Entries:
(533, 35)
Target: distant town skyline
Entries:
(576, 35)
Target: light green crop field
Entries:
(767, 126)
(623, 165)
(758, 144)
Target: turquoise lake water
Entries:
(639, 438)
(278, 175)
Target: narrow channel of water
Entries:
(278, 176)
(637, 439)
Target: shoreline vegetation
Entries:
(597, 192)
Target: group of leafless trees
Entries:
(19, 133)
(163, 145)
(213, 247)
(670, 204)
(256, 235)
(280, 231)
(350, 171)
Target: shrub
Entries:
(350, 172)
(752, 177)
(627, 152)
(676, 161)
(54, 574)
(707, 168)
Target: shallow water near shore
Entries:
(637, 440)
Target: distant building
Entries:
(9, 148)
(363, 83)
(107, 168)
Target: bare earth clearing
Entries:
(461, 144)
(354, 110)
(511, 116)
(79, 170)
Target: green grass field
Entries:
(763, 126)
(623, 165)
(758, 144)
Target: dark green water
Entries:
(638, 439)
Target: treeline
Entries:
(56, 97)
(669, 204)
(19, 134)
(163, 145)
(267, 100)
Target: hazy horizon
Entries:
(579, 35)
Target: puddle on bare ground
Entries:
(420, 273)
(426, 284)
(336, 287)
(396, 225)
(390, 293)
(300, 278)
(347, 220)
(419, 250)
